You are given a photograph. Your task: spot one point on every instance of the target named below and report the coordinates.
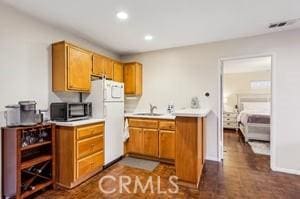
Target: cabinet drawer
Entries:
(143, 123)
(167, 125)
(89, 164)
(89, 146)
(230, 114)
(89, 131)
(230, 125)
(229, 119)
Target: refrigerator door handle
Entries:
(104, 111)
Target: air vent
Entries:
(283, 23)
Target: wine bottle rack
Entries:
(28, 160)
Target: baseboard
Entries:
(212, 158)
(289, 171)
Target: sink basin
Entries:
(149, 114)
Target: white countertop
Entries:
(164, 116)
(78, 123)
(203, 112)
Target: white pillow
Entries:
(258, 106)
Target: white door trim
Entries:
(220, 105)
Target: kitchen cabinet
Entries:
(71, 68)
(98, 67)
(167, 144)
(167, 139)
(135, 143)
(150, 142)
(190, 149)
(80, 153)
(118, 72)
(108, 68)
(152, 138)
(102, 66)
(133, 78)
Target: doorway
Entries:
(246, 106)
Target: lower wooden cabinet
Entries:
(89, 164)
(150, 142)
(190, 149)
(167, 144)
(152, 138)
(80, 153)
(135, 143)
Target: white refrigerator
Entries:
(107, 99)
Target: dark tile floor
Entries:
(243, 174)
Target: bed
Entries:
(254, 116)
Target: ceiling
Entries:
(247, 65)
(172, 23)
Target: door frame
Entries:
(220, 105)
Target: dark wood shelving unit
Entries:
(35, 145)
(35, 161)
(37, 188)
(28, 164)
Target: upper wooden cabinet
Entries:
(108, 68)
(71, 68)
(118, 72)
(133, 78)
(98, 67)
(102, 66)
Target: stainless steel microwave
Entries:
(68, 111)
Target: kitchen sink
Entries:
(149, 114)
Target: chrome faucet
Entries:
(152, 107)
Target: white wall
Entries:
(239, 83)
(178, 74)
(25, 59)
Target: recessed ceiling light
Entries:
(122, 15)
(148, 37)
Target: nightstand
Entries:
(230, 120)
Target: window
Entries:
(260, 84)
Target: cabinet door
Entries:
(150, 142)
(139, 79)
(135, 141)
(98, 68)
(133, 79)
(167, 144)
(79, 69)
(118, 72)
(108, 67)
(129, 78)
